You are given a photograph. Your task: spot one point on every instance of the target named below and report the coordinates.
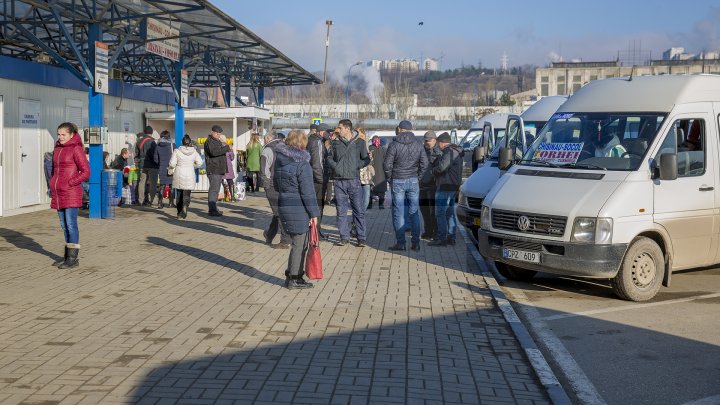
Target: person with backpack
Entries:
(163, 152)
(145, 160)
(216, 167)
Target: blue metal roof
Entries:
(214, 46)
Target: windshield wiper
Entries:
(543, 162)
(585, 166)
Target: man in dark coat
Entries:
(448, 177)
(144, 157)
(405, 162)
(347, 156)
(316, 149)
(427, 187)
(215, 167)
(267, 169)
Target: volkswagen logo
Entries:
(523, 223)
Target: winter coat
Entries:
(346, 158)
(379, 182)
(185, 160)
(70, 169)
(267, 163)
(230, 175)
(253, 158)
(145, 145)
(119, 163)
(405, 158)
(293, 180)
(163, 153)
(215, 160)
(316, 149)
(427, 181)
(448, 169)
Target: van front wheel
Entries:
(641, 272)
(514, 273)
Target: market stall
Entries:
(238, 124)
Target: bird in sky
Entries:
(421, 23)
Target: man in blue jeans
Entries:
(448, 176)
(347, 156)
(405, 162)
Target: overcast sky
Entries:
(469, 32)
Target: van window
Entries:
(686, 138)
(596, 141)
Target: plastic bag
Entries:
(313, 260)
(240, 191)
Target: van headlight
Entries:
(485, 217)
(592, 230)
(462, 199)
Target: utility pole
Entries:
(327, 46)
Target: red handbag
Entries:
(166, 192)
(313, 261)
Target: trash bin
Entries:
(109, 192)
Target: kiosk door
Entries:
(30, 157)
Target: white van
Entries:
(484, 133)
(623, 183)
(475, 188)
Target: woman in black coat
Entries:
(380, 183)
(163, 153)
(297, 204)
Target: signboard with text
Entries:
(183, 88)
(558, 153)
(162, 39)
(101, 68)
(232, 92)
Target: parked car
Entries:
(623, 183)
(475, 188)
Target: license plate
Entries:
(521, 255)
(476, 221)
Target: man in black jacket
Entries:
(427, 187)
(405, 162)
(448, 176)
(267, 169)
(316, 148)
(144, 157)
(347, 156)
(215, 167)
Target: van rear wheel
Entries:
(641, 272)
(514, 273)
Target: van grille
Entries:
(522, 245)
(475, 203)
(538, 224)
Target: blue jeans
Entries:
(348, 195)
(366, 195)
(68, 223)
(406, 198)
(445, 214)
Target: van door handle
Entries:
(706, 188)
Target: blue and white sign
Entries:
(317, 121)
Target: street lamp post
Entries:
(347, 88)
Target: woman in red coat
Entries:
(70, 169)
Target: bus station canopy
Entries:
(213, 47)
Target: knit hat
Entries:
(406, 125)
(430, 135)
(216, 128)
(444, 138)
(323, 127)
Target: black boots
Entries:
(297, 283)
(71, 261)
(61, 261)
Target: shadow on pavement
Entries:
(214, 258)
(208, 227)
(464, 357)
(24, 242)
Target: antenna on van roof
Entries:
(631, 73)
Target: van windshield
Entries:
(531, 129)
(599, 141)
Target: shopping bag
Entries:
(166, 192)
(240, 191)
(313, 261)
(127, 195)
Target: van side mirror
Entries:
(479, 153)
(668, 166)
(505, 158)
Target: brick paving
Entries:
(194, 312)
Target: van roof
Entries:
(643, 93)
(543, 109)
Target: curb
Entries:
(555, 391)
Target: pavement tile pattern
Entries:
(163, 311)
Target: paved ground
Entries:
(167, 311)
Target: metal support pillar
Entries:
(179, 110)
(228, 96)
(95, 119)
(261, 97)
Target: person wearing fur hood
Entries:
(297, 204)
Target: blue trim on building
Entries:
(37, 73)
